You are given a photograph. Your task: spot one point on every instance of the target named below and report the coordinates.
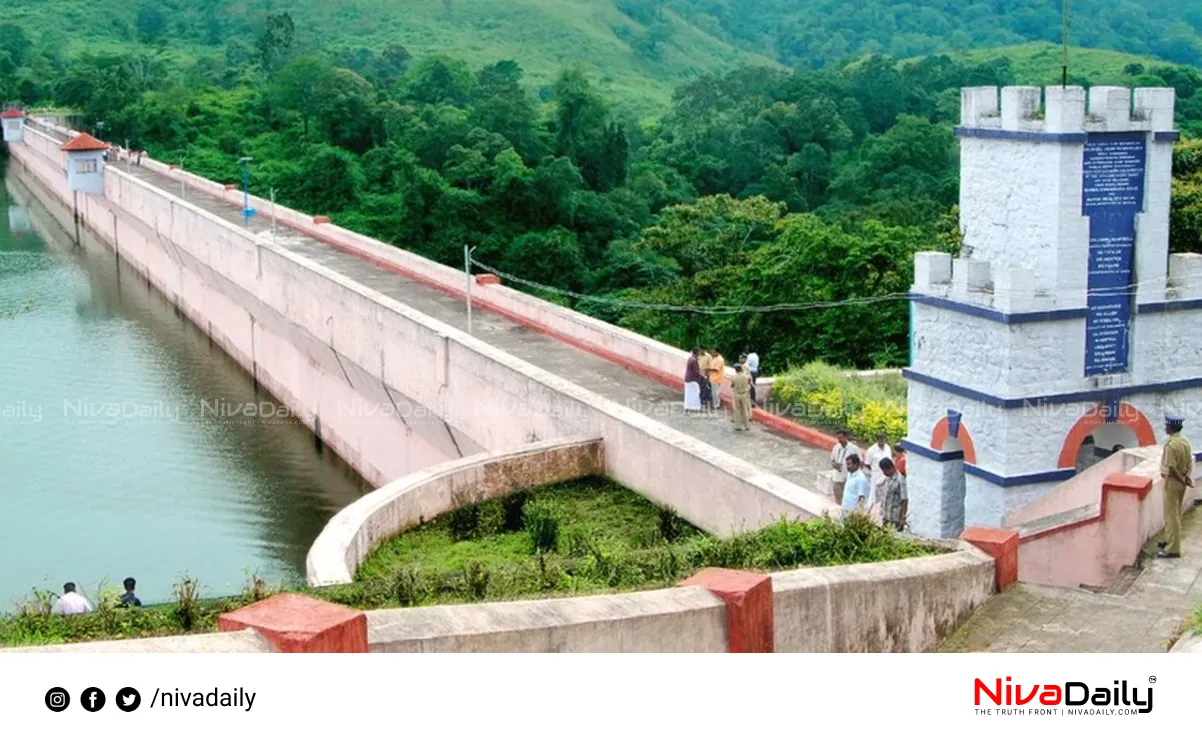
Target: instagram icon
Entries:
(57, 699)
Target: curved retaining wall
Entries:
(290, 321)
(414, 499)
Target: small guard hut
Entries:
(85, 164)
(14, 125)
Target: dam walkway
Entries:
(761, 447)
(1143, 615)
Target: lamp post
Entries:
(467, 270)
(100, 130)
(182, 182)
(247, 212)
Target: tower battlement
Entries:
(1067, 110)
(1003, 288)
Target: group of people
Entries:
(72, 602)
(873, 481)
(705, 373)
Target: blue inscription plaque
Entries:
(1112, 194)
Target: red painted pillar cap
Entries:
(321, 220)
(1002, 546)
(485, 279)
(293, 623)
(749, 609)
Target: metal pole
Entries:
(273, 216)
(467, 271)
(182, 182)
(246, 194)
(1064, 40)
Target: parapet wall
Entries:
(234, 284)
(903, 606)
(359, 528)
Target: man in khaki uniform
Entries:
(740, 398)
(1175, 468)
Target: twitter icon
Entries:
(128, 699)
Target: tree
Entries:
(552, 257)
(714, 231)
(298, 86)
(275, 43)
(152, 24)
(439, 81)
(346, 111)
(330, 180)
(14, 41)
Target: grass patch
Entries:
(828, 397)
(593, 536)
(1193, 622)
(585, 537)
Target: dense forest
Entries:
(636, 51)
(757, 187)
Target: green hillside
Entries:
(638, 59)
(637, 51)
(1038, 63)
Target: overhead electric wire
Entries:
(803, 306)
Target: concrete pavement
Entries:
(1143, 618)
(761, 446)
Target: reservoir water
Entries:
(130, 445)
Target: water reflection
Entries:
(119, 453)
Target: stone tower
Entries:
(1065, 318)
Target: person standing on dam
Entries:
(740, 398)
(704, 360)
(1175, 466)
(692, 383)
(717, 376)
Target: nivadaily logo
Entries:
(1072, 698)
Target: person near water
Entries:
(703, 363)
(856, 495)
(839, 455)
(692, 383)
(129, 599)
(894, 501)
(717, 376)
(71, 603)
(1176, 464)
(740, 398)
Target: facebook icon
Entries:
(92, 699)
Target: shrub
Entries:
(476, 577)
(187, 602)
(409, 586)
(541, 521)
(491, 519)
(465, 522)
(828, 397)
(513, 507)
(671, 526)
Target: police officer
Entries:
(1175, 468)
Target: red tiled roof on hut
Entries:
(84, 143)
(12, 113)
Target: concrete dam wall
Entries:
(390, 389)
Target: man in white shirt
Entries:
(71, 602)
(856, 496)
(752, 366)
(839, 454)
(872, 459)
